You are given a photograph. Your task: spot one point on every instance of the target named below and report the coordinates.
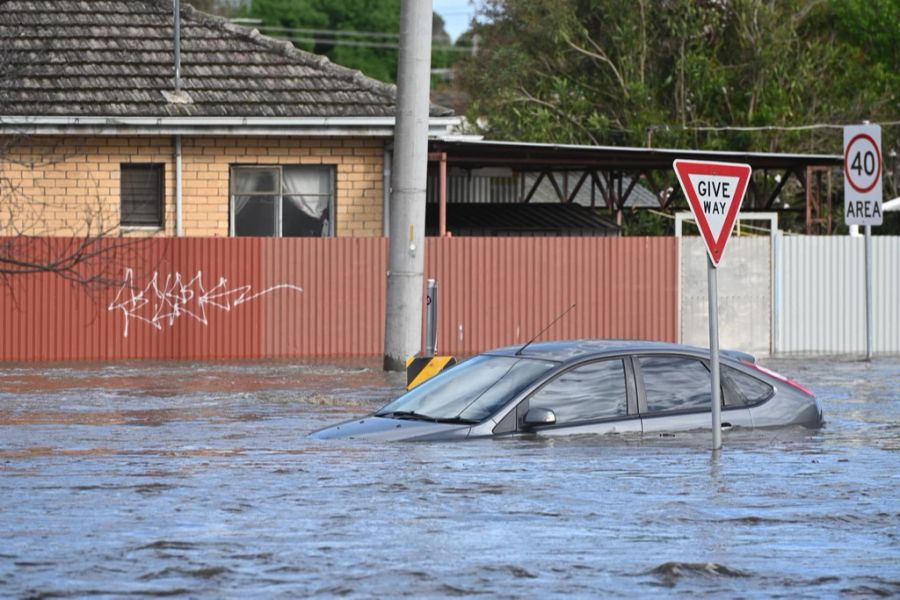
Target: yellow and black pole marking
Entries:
(420, 369)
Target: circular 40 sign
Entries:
(862, 163)
(862, 175)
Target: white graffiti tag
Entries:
(157, 304)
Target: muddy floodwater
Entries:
(198, 480)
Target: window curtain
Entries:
(253, 181)
(309, 190)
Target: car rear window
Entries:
(746, 390)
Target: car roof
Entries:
(569, 350)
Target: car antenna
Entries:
(528, 343)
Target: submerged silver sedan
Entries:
(587, 386)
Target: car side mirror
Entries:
(536, 417)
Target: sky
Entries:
(457, 15)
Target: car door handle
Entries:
(726, 425)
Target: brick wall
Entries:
(57, 185)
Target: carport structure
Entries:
(612, 174)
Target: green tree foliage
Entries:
(374, 55)
(352, 16)
(441, 56)
(665, 72)
(871, 27)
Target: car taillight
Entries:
(791, 382)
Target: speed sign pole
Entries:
(714, 192)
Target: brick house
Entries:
(255, 137)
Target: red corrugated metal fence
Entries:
(249, 298)
(501, 291)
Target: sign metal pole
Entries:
(714, 192)
(712, 289)
(869, 324)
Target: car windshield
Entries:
(469, 392)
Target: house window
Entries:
(282, 201)
(142, 195)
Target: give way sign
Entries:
(714, 191)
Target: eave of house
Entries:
(219, 126)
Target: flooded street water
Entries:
(198, 480)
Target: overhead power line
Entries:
(323, 36)
(761, 127)
(338, 32)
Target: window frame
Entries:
(639, 374)
(280, 194)
(631, 398)
(731, 390)
(728, 393)
(159, 170)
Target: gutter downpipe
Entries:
(179, 217)
(386, 186)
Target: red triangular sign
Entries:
(714, 191)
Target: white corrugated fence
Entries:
(794, 294)
(822, 302)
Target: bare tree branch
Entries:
(600, 55)
(78, 246)
(526, 97)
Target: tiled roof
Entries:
(114, 58)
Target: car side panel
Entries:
(629, 425)
(731, 417)
(787, 408)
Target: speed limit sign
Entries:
(862, 175)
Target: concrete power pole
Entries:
(406, 260)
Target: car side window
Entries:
(673, 383)
(748, 390)
(596, 390)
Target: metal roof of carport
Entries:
(608, 167)
(478, 153)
